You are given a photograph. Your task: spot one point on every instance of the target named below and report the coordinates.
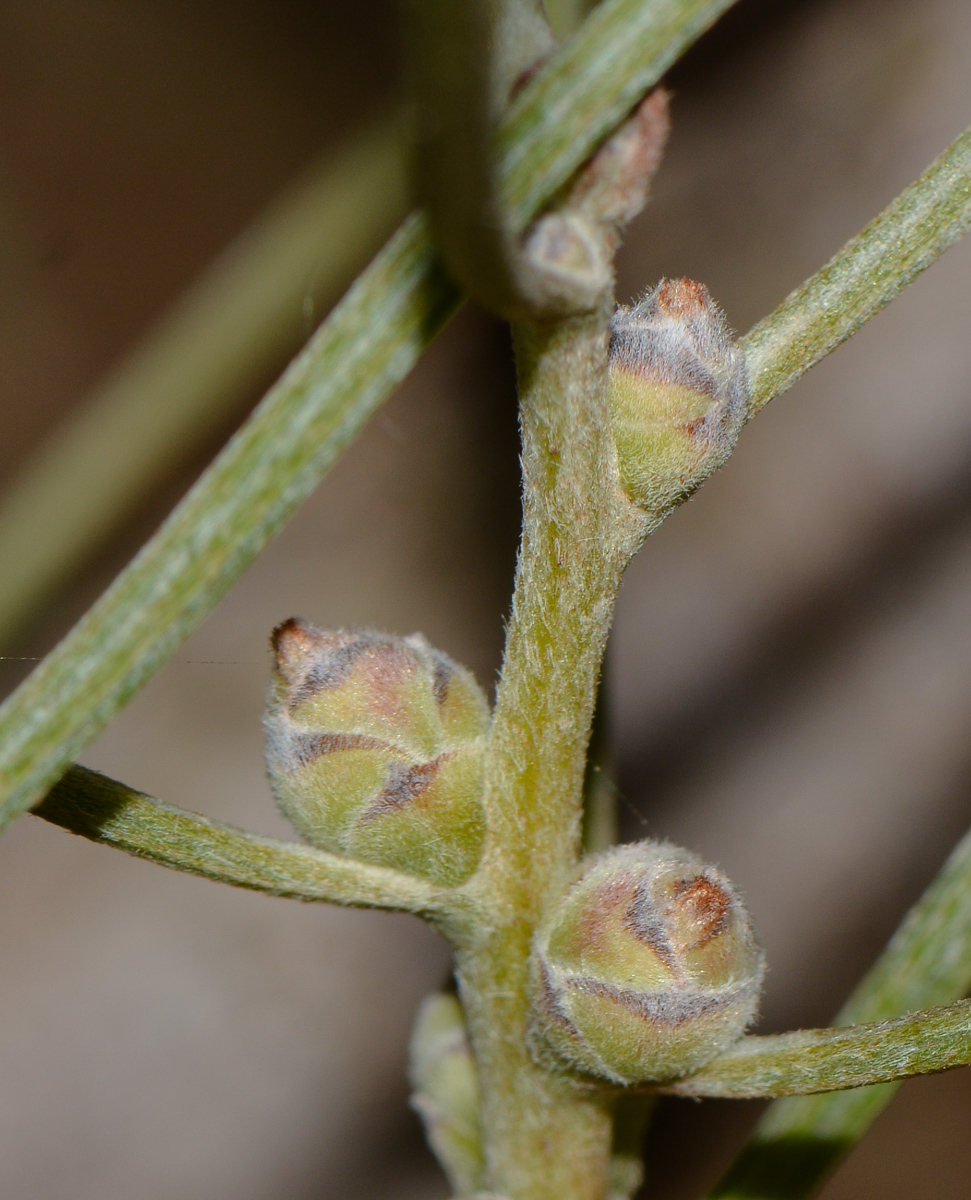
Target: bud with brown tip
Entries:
(648, 969)
(375, 747)
(677, 392)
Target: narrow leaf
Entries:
(826, 1060)
(99, 808)
(870, 270)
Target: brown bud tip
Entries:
(681, 299)
(295, 644)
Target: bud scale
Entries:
(677, 392)
(375, 747)
(648, 969)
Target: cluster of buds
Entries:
(375, 749)
(677, 393)
(647, 970)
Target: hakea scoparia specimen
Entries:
(648, 969)
(677, 393)
(375, 749)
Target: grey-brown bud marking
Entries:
(648, 969)
(678, 392)
(375, 747)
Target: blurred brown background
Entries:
(791, 671)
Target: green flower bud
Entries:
(648, 969)
(375, 747)
(677, 392)
(446, 1091)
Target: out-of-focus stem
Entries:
(465, 61)
(353, 362)
(241, 318)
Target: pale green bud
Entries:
(631, 1118)
(446, 1091)
(677, 393)
(375, 748)
(648, 969)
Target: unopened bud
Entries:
(375, 747)
(446, 1091)
(649, 968)
(677, 393)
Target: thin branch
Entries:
(828, 1060)
(99, 808)
(798, 1142)
(870, 270)
(242, 317)
(352, 364)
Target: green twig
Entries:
(243, 316)
(106, 811)
(367, 345)
(544, 1138)
(828, 1060)
(927, 962)
(870, 270)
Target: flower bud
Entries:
(375, 747)
(446, 1091)
(677, 393)
(648, 969)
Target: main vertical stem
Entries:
(546, 1139)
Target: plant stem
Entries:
(826, 1060)
(799, 1142)
(545, 1140)
(361, 352)
(99, 808)
(870, 270)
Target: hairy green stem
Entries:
(869, 271)
(827, 1060)
(799, 1142)
(354, 361)
(544, 1139)
(96, 807)
(239, 319)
